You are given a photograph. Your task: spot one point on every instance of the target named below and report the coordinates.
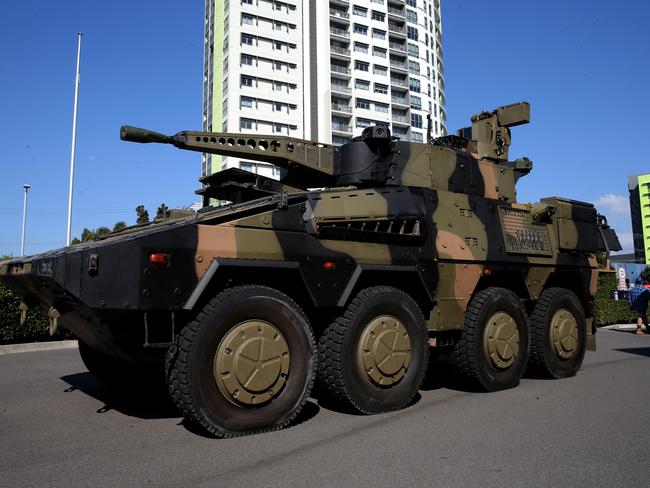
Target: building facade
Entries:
(321, 70)
(639, 188)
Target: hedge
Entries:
(37, 328)
(610, 311)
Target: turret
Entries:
(474, 162)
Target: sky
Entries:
(582, 64)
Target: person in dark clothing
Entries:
(639, 296)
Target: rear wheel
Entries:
(245, 364)
(558, 334)
(493, 349)
(374, 356)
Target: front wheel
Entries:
(492, 352)
(245, 364)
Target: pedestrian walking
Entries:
(639, 296)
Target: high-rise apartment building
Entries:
(639, 188)
(321, 70)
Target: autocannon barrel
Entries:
(136, 134)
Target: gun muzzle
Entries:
(136, 134)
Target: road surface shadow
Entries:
(150, 402)
(640, 351)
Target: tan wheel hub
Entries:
(501, 340)
(251, 363)
(384, 351)
(564, 333)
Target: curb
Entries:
(37, 346)
(619, 326)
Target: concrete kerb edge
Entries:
(37, 346)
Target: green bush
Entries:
(36, 329)
(606, 310)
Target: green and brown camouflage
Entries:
(438, 221)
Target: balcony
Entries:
(339, 32)
(396, 29)
(340, 69)
(341, 127)
(400, 119)
(397, 47)
(398, 65)
(403, 101)
(396, 11)
(398, 82)
(339, 88)
(340, 107)
(339, 14)
(341, 51)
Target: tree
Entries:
(645, 275)
(142, 213)
(101, 231)
(119, 226)
(88, 235)
(160, 213)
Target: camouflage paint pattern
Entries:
(440, 221)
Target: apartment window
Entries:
(246, 19)
(246, 166)
(381, 107)
(413, 49)
(416, 120)
(417, 136)
(278, 86)
(279, 107)
(278, 45)
(412, 32)
(278, 65)
(412, 16)
(247, 2)
(246, 81)
(246, 102)
(379, 34)
(414, 67)
(361, 47)
(360, 11)
(414, 85)
(378, 16)
(412, 3)
(362, 85)
(361, 103)
(380, 70)
(360, 29)
(416, 102)
(363, 123)
(245, 124)
(380, 88)
(340, 140)
(246, 60)
(379, 52)
(361, 66)
(247, 39)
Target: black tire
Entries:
(340, 363)
(470, 356)
(555, 358)
(194, 386)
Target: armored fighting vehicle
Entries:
(350, 267)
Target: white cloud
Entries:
(92, 158)
(610, 204)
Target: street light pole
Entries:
(22, 241)
(74, 137)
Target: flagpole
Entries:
(74, 137)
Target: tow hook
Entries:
(23, 313)
(54, 315)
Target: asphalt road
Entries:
(59, 427)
